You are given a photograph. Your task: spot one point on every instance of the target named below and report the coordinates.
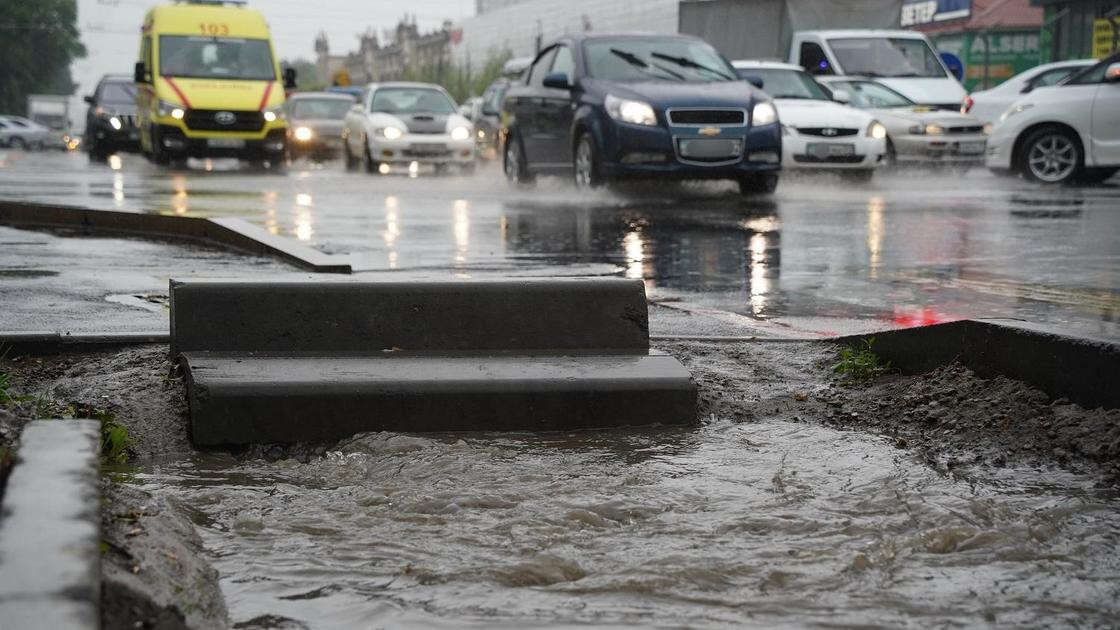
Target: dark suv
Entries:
(607, 107)
(111, 117)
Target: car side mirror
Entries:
(841, 96)
(289, 78)
(558, 80)
(88, 99)
(754, 80)
(1112, 74)
(139, 73)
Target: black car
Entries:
(608, 107)
(111, 117)
(488, 121)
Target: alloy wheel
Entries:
(1052, 158)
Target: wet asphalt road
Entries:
(821, 256)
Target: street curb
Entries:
(37, 343)
(50, 575)
(227, 232)
(1082, 370)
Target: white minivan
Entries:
(902, 60)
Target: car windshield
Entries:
(887, 57)
(869, 95)
(319, 108)
(215, 58)
(661, 58)
(784, 83)
(407, 100)
(117, 93)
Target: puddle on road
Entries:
(762, 524)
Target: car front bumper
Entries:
(271, 146)
(998, 155)
(316, 146)
(962, 149)
(858, 152)
(633, 151)
(423, 148)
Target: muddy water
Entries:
(765, 524)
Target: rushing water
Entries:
(764, 524)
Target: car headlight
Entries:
(272, 115)
(303, 134)
(764, 114)
(163, 108)
(876, 130)
(115, 123)
(627, 111)
(1016, 109)
(460, 133)
(389, 133)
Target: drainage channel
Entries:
(769, 523)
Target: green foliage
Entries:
(5, 388)
(38, 40)
(115, 439)
(459, 81)
(859, 362)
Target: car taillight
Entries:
(966, 105)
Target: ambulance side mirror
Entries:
(139, 73)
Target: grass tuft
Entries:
(860, 363)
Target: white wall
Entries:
(516, 27)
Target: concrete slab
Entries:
(239, 399)
(606, 314)
(49, 556)
(227, 231)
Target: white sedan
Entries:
(817, 132)
(23, 133)
(987, 105)
(1064, 133)
(407, 124)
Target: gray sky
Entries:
(111, 28)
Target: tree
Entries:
(38, 40)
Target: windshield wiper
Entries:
(638, 62)
(688, 63)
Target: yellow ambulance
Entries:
(209, 84)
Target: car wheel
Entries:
(368, 162)
(348, 157)
(513, 164)
(1050, 156)
(891, 158)
(159, 154)
(18, 143)
(758, 184)
(587, 167)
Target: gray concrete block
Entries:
(606, 314)
(49, 555)
(239, 399)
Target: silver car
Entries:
(916, 133)
(22, 133)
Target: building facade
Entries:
(1079, 29)
(404, 52)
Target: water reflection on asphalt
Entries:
(906, 249)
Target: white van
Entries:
(902, 60)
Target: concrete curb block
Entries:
(1079, 369)
(41, 343)
(50, 574)
(228, 232)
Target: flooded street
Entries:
(820, 257)
(769, 524)
(768, 516)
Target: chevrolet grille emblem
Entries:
(709, 131)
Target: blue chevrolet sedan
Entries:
(607, 107)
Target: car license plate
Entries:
(972, 148)
(711, 148)
(225, 143)
(422, 150)
(830, 149)
(134, 134)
